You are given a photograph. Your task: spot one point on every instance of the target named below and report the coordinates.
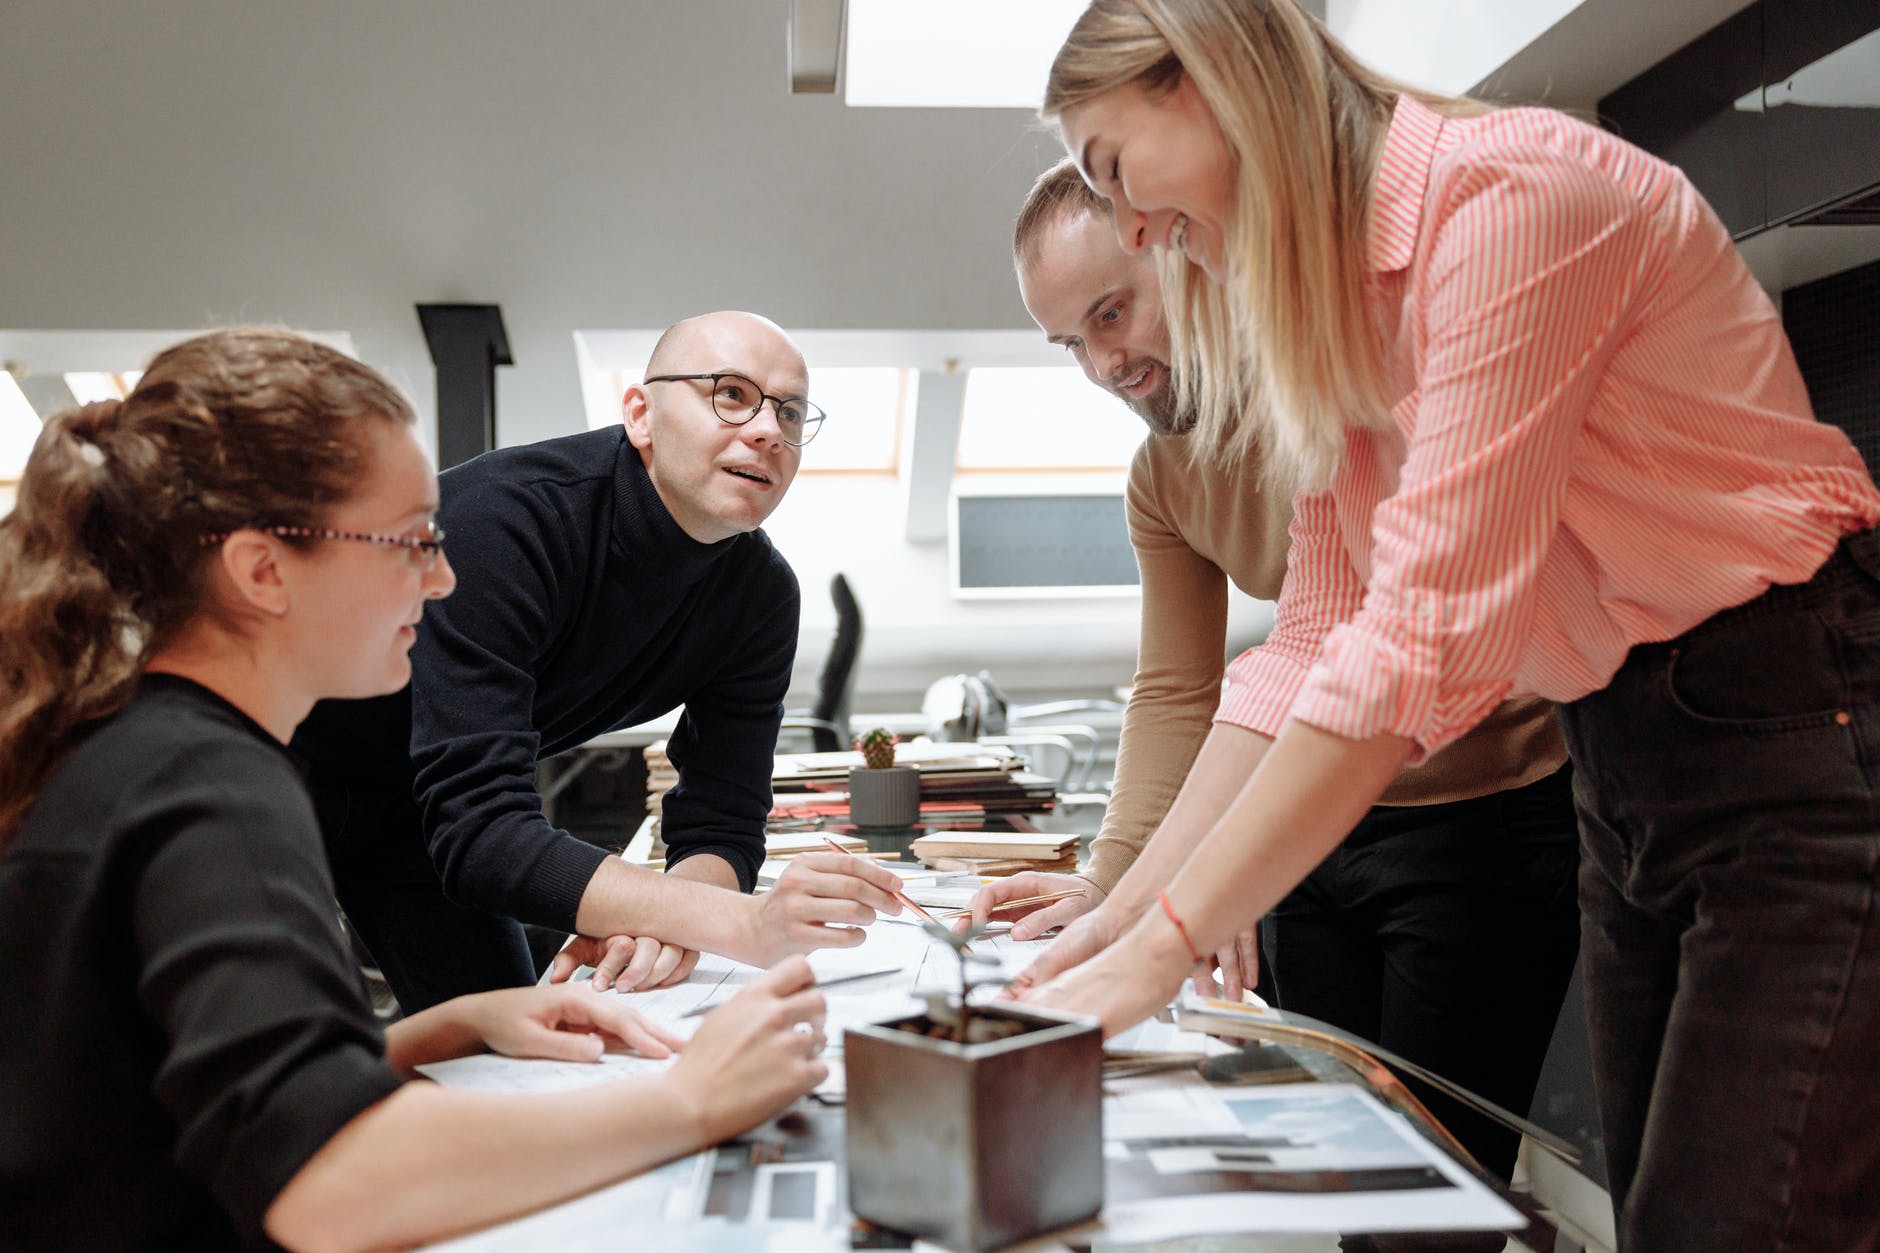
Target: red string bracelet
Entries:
(1174, 918)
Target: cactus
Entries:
(877, 748)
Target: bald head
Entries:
(709, 421)
(687, 343)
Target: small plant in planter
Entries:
(951, 1017)
(882, 794)
(975, 1125)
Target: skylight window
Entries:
(866, 406)
(989, 54)
(19, 427)
(89, 387)
(1044, 418)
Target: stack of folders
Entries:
(996, 852)
(955, 779)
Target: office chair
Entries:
(974, 707)
(827, 721)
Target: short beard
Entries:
(1161, 412)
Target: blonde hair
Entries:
(1284, 352)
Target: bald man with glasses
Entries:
(603, 579)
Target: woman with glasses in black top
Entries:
(187, 1057)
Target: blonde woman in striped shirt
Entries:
(1548, 438)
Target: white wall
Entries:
(332, 164)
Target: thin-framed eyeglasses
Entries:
(422, 549)
(736, 400)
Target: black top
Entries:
(581, 606)
(181, 1026)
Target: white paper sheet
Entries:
(1148, 1111)
(1350, 1164)
(491, 1072)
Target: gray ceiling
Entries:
(583, 163)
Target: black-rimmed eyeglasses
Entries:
(736, 400)
(423, 549)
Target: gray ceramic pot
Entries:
(888, 797)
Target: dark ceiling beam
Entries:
(467, 343)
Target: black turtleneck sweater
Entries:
(580, 607)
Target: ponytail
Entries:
(67, 655)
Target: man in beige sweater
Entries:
(1445, 926)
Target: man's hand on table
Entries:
(1032, 921)
(822, 901)
(625, 963)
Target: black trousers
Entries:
(1446, 933)
(428, 947)
(1727, 785)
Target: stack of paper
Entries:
(934, 761)
(1004, 852)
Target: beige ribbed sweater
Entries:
(1195, 528)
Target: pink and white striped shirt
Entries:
(1601, 439)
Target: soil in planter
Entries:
(980, 1028)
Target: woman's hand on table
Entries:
(1078, 943)
(756, 1053)
(1031, 921)
(1238, 962)
(565, 1024)
(1128, 981)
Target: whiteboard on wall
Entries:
(1059, 545)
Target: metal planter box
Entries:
(976, 1145)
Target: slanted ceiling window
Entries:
(1032, 418)
(867, 408)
